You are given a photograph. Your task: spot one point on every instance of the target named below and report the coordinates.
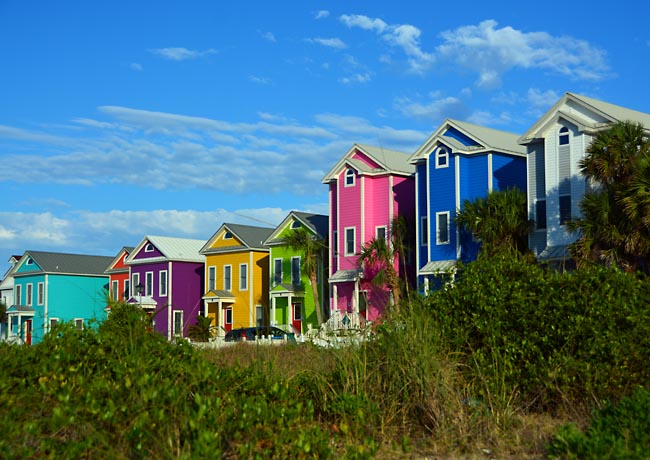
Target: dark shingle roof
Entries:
(318, 223)
(251, 236)
(75, 264)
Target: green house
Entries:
(291, 292)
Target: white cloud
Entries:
(21, 228)
(136, 66)
(269, 37)
(322, 14)
(356, 78)
(492, 51)
(435, 109)
(181, 54)
(259, 80)
(403, 36)
(336, 43)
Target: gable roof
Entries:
(171, 248)
(390, 162)
(488, 140)
(111, 267)
(252, 237)
(63, 263)
(610, 113)
(318, 224)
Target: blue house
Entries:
(50, 287)
(459, 161)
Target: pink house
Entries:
(368, 187)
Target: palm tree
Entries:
(202, 331)
(377, 255)
(311, 247)
(614, 228)
(500, 221)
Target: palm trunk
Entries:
(314, 288)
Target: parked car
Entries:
(253, 333)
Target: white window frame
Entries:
(228, 315)
(299, 304)
(127, 288)
(350, 174)
(115, 290)
(134, 285)
(178, 313)
(295, 224)
(243, 277)
(227, 235)
(385, 229)
(227, 270)
(277, 275)
(438, 216)
(29, 261)
(354, 241)
(148, 287)
(442, 158)
(53, 322)
(18, 294)
(148, 247)
(40, 293)
(259, 315)
(29, 294)
(79, 324)
(212, 278)
(293, 279)
(163, 286)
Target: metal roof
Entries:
(174, 249)
(317, 223)
(73, 264)
(437, 267)
(250, 236)
(343, 276)
(390, 162)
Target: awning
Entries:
(559, 252)
(217, 294)
(438, 267)
(345, 276)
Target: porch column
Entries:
(220, 318)
(355, 303)
(273, 321)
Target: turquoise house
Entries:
(50, 287)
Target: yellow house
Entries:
(236, 288)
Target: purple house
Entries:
(167, 280)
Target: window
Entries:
(277, 271)
(297, 311)
(564, 136)
(565, 209)
(442, 158)
(424, 231)
(19, 294)
(295, 224)
(243, 277)
(163, 283)
(295, 271)
(53, 323)
(259, 315)
(212, 278)
(148, 288)
(127, 289)
(349, 177)
(380, 233)
(178, 322)
(30, 288)
(79, 324)
(40, 293)
(227, 277)
(350, 243)
(115, 286)
(442, 231)
(540, 214)
(227, 236)
(335, 238)
(136, 283)
(228, 313)
(148, 247)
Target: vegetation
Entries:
(614, 227)
(512, 361)
(499, 221)
(301, 239)
(203, 330)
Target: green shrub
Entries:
(618, 432)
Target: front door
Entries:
(28, 332)
(227, 319)
(296, 317)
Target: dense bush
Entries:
(544, 337)
(617, 432)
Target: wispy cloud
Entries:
(434, 108)
(181, 54)
(322, 14)
(491, 51)
(403, 36)
(269, 36)
(336, 43)
(135, 66)
(356, 78)
(259, 80)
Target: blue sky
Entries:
(126, 118)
